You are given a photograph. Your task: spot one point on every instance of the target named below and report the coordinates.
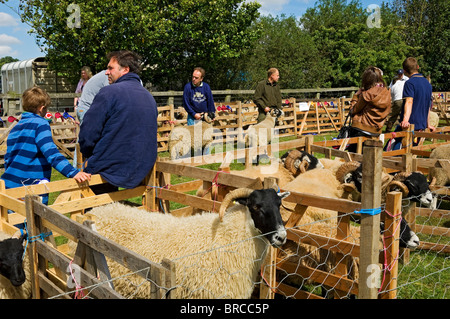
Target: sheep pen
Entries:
(332, 225)
(216, 256)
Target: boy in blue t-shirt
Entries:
(31, 152)
(417, 93)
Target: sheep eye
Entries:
(256, 207)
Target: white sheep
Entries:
(13, 284)
(184, 137)
(259, 133)
(215, 255)
(439, 176)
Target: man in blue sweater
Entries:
(118, 134)
(197, 97)
(31, 152)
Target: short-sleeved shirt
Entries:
(420, 90)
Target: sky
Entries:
(16, 42)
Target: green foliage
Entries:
(284, 45)
(172, 36)
(350, 45)
(329, 46)
(7, 59)
(427, 27)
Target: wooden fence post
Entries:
(149, 196)
(392, 219)
(370, 220)
(34, 226)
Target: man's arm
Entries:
(187, 101)
(258, 96)
(407, 113)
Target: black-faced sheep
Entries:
(324, 182)
(297, 161)
(215, 255)
(412, 185)
(15, 282)
(325, 260)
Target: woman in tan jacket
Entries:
(370, 106)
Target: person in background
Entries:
(118, 135)
(267, 94)
(90, 90)
(197, 97)
(31, 152)
(396, 87)
(86, 74)
(417, 93)
(370, 106)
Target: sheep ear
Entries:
(284, 195)
(411, 186)
(242, 201)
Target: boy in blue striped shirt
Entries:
(31, 152)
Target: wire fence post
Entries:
(370, 270)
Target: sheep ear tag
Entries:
(242, 201)
(284, 195)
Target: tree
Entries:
(351, 45)
(7, 59)
(427, 27)
(284, 45)
(172, 36)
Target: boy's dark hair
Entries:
(126, 58)
(33, 98)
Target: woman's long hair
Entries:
(371, 77)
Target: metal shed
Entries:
(18, 76)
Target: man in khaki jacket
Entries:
(267, 94)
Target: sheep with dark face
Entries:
(412, 185)
(14, 274)
(408, 238)
(215, 255)
(297, 161)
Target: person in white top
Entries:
(396, 87)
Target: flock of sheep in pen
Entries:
(220, 255)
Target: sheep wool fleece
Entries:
(118, 135)
(213, 259)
